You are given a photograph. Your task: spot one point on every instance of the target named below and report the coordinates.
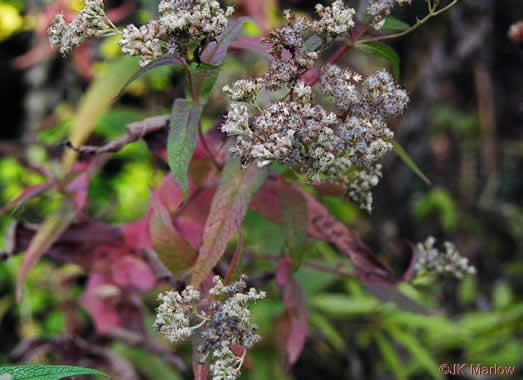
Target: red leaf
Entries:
(237, 350)
(322, 225)
(293, 324)
(99, 300)
(201, 371)
(133, 272)
(253, 43)
(228, 209)
(173, 250)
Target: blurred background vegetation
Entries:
(463, 129)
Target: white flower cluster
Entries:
(335, 19)
(430, 259)
(344, 148)
(173, 314)
(91, 22)
(224, 323)
(378, 10)
(181, 23)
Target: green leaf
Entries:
(293, 208)
(384, 51)
(392, 24)
(323, 324)
(95, 103)
(170, 60)
(391, 357)
(174, 251)
(46, 372)
(229, 205)
(341, 306)
(398, 149)
(417, 350)
(312, 43)
(183, 135)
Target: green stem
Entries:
(432, 13)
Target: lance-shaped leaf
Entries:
(177, 63)
(181, 142)
(46, 236)
(398, 149)
(96, 101)
(46, 372)
(228, 209)
(293, 208)
(384, 51)
(214, 55)
(293, 324)
(174, 251)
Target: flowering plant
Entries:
(307, 123)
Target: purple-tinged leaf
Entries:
(293, 323)
(183, 135)
(228, 209)
(200, 371)
(172, 249)
(253, 43)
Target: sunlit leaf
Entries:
(392, 24)
(417, 350)
(183, 134)
(46, 372)
(228, 209)
(391, 357)
(96, 102)
(337, 305)
(47, 234)
(384, 51)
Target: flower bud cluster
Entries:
(91, 22)
(430, 259)
(378, 10)
(224, 322)
(181, 23)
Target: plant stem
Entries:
(432, 13)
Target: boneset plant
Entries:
(305, 121)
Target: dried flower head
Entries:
(182, 25)
(378, 10)
(334, 20)
(430, 259)
(326, 147)
(91, 22)
(225, 322)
